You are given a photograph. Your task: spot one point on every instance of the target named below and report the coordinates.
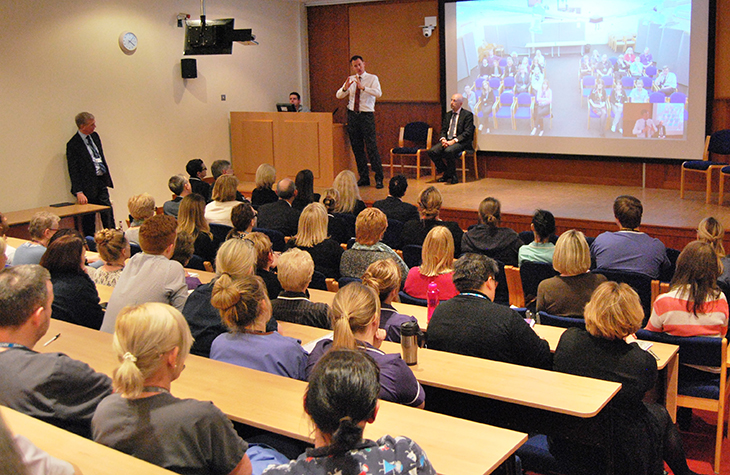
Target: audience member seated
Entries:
(537, 76)
(312, 237)
(437, 265)
(628, 249)
(429, 207)
(244, 218)
(646, 58)
(236, 258)
(638, 94)
(542, 107)
(666, 82)
(483, 110)
(197, 171)
(648, 434)
(265, 260)
(9, 250)
(711, 231)
(150, 276)
(384, 277)
(183, 252)
(342, 397)
(393, 206)
(3, 256)
(489, 238)
(636, 69)
(48, 386)
(191, 220)
(618, 98)
(541, 249)
(265, 179)
(356, 322)
(595, 59)
(522, 80)
(114, 250)
(141, 207)
(604, 68)
(220, 168)
(567, 294)
(304, 183)
(41, 228)
(598, 102)
(336, 226)
(295, 268)
(471, 324)
(470, 97)
(349, 200)
(75, 297)
(218, 211)
(694, 305)
(510, 69)
(281, 216)
(245, 309)
(152, 342)
(368, 248)
(585, 68)
(180, 186)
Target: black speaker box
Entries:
(189, 67)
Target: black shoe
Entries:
(443, 179)
(452, 181)
(363, 182)
(379, 184)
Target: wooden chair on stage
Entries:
(419, 134)
(719, 142)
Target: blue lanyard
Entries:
(12, 345)
(470, 294)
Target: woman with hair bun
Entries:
(245, 309)
(355, 315)
(341, 398)
(429, 207)
(113, 247)
(383, 276)
(488, 238)
(152, 341)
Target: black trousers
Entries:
(361, 128)
(445, 158)
(107, 217)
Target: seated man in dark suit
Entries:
(49, 386)
(393, 206)
(472, 324)
(197, 171)
(280, 216)
(457, 134)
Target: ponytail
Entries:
(238, 301)
(346, 437)
(353, 309)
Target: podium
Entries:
(290, 141)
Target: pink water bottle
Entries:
(432, 298)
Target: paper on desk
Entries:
(310, 346)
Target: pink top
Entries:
(417, 284)
(670, 315)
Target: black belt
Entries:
(359, 112)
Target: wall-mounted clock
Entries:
(128, 42)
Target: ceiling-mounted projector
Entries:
(214, 36)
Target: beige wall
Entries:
(62, 58)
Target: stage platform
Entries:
(588, 208)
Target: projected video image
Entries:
(575, 68)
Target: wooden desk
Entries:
(90, 457)
(18, 220)
(105, 292)
(537, 388)
(274, 403)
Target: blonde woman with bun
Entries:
(349, 201)
(151, 342)
(429, 208)
(437, 265)
(711, 231)
(245, 309)
(489, 238)
(355, 315)
(384, 277)
(114, 250)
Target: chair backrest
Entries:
(278, 243)
(479, 83)
(639, 282)
(678, 98)
(563, 322)
(658, 288)
(647, 82)
(532, 273)
(503, 62)
(657, 97)
(650, 71)
(392, 236)
(588, 81)
(219, 231)
(343, 281)
(90, 243)
(506, 99)
(319, 281)
(694, 350)
(349, 220)
(509, 82)
(501, 296)
(720, 142)
(351, 243)
(666, 275)
(627, 82)
(332, 284)
(613, 60)
(494, 83)
(405, 298)
(608, 81)
(412, 255)
(514, 286)
(195, 262)
(416, 132)
(524, 99)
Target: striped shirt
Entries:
(670, 315)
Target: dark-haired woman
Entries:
(75, 297)
(342, 397)
(488, 238)
(304, 182)
(540, 250)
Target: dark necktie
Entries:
(100, 168)
(356, 107)
(452, 127)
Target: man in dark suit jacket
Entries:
(89, 172)
(457, 135)
(280, 215)
(392, 206)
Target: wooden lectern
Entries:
(290, 141)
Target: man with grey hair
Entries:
(49, 386)
(42, 227)
(224, 167)
(180, 186)
(280, 215)
(89, 172)
(472, 324)
(457, 135)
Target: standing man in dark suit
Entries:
(280, 215)
(90, 178)
(457, 135)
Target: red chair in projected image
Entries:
(718, 143)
